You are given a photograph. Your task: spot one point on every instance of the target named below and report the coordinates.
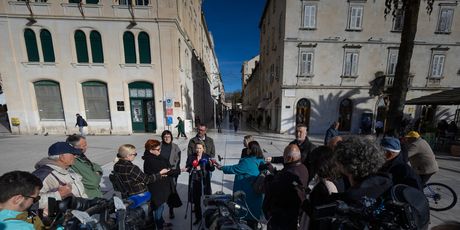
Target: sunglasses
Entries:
(158, 149)
(133, 154)
(35, 199)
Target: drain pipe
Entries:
(161, 68)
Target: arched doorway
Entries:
(345, 114)
(142, 107)
(303, 109)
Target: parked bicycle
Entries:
(440, 196)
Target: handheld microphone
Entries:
(195, 164)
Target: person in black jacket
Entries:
(160, 189)
(401, 172)
(199, 165)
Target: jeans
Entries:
(82, 130)
(158, 216)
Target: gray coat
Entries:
(421, 157)
(174, 158)
(208, 141)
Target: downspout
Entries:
(161, 67)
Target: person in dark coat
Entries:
(200, 167)
(202, 137)
(160, 189)
(401, 172)
(170, 151)
(286, 191)
(305, 146)
(81, 123)
(333, 131)
(181, 128)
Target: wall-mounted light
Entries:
(31, 21)
(131, 25)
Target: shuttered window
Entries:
(96, 47)
(31, 45)
(309, 18)
(47, 46)
(49, 101)
(306, 63)
(144, 48)
(81, 47)
(437, 65)
(129, 47)
(96, 101)
(351, 64)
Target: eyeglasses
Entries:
(35, 199)
(158, 149)
(133, 154)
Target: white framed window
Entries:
(398, 21)
(309, 16)
(306, 63)
(445, 20)
(392, 61)
(437, 65)
(350, 63)
(355, 17)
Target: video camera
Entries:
(370, 215)
(80, 213)
(222, 212)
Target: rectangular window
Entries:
(355, 20)
(49, 101)
(306, 63)
(445, 20)
(398, 20)
(392, 61)
(437, 65)
(96, 102)
(351, 64)
(309, 16)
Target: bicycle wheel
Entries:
(440, 196)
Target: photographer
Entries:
(18, 191)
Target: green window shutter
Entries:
(130, 49)
(81, 47)
(47, 46)
(96, 101)
(92, 1)
(96, 47)
(31, 45)
(49, 100)
(144, 48)
(74, 1)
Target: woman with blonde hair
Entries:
(131, 177)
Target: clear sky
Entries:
(234, 25)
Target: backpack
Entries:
(84, 122)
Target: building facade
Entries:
(126, 66)
(315, 68)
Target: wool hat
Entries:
(391, 144)
(413, 134)
(59, 148)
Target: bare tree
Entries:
(411, 10)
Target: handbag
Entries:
(259, 183)
(174, 200)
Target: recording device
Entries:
(370, 215)
(223, 212)
(80, 213)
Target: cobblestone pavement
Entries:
(22, 152)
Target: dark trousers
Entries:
(425, 178)
(182, 134)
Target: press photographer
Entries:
(18, 192)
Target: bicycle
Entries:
(440, 196)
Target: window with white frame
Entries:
(355, 17)
(445, 20)
(306, 63)
(392, 61)
(309, 16)
(398, 20)
(437, 65)
(351, 63)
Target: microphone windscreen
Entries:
(195, 163)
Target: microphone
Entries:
(195, 164)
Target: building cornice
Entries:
(355, 87)
(421, 43)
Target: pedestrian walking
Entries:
(333, 131)
(236, 123)
(180, 128)
(81, 123)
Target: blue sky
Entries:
(234, 26)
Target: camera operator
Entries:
(286, 191)
(246, 172)
(200, 168)
(18, 192)
(59, 180)
(359, 160)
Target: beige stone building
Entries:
(318, 57)
(125, 67)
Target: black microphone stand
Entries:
(192, 176)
